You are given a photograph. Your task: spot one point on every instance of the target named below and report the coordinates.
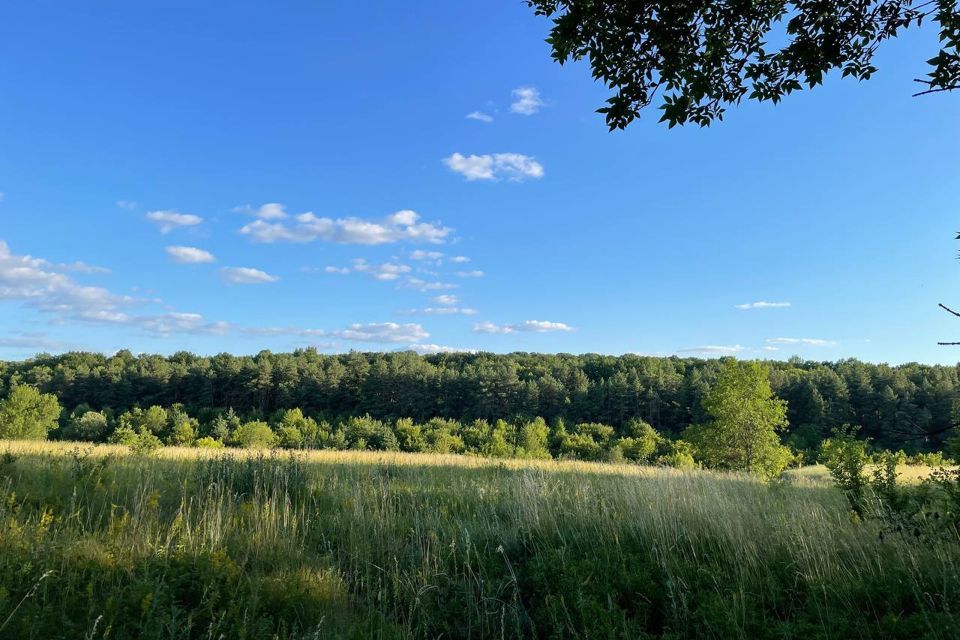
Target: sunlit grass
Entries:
(196, 543)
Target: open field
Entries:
(97, 543)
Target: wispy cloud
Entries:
(526, 101)
(189, 255)
(443, 311)
(44, 286)
(385, 271)
(268, 211)
(81, 267)
(129, 205)
(810, 342)
(714, 350)
(169, 220)
(431, 349)
(425, 286)
(307, 227)
(341, 271)
(377, 332)
(246, 275)
(446, 299)
(382, 332)
(762, 305)
(167, 324)
(36, 341)
(496, 166)
(432, 256)
(535, 326)
(480, 116)
(476, 273)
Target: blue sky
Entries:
(135, 138)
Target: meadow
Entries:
(96, 542)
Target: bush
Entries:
(366, 433)
(145, 443)
(442, 436)
(27, 414)
(588, 441)
(289, 437)
(641, 441)
(206, 442)
(675, 453)
(89, 425)
(254, 435)
(934, 459)
(846, 458)
(183, 433)
(410, 436)
(533, 440)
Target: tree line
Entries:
(912, 407)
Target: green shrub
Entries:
(675, 453)
(207, 442)
(27, 414)
(145, 444)
(183, 433)
(254, 435)
(365, 432)
(533, 440)
(289, 437)
(846, 458)
(89, 425)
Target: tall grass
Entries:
(96, 543)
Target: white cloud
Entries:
(526, 101)
(420, 254)
(512, 166)
(169, 220)
(166, 324)
(81, 267)
(809, 342)
(385, 271)
(459, 259)
(714, 350)
(431, 349)
(446, 311)
(423, 286)
(41, 286)
(307, 227)
(268, 211)
(189, 255)
(476, 273)
(446, 299)
(480, 116)
(246, 275)
(342, 271)
(382, 332)
(34, 341)
(762, 305)
(535, 326)
(44, 286)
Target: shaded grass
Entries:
(195, 544)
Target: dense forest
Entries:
(911, 406)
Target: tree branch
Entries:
(948, 309)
